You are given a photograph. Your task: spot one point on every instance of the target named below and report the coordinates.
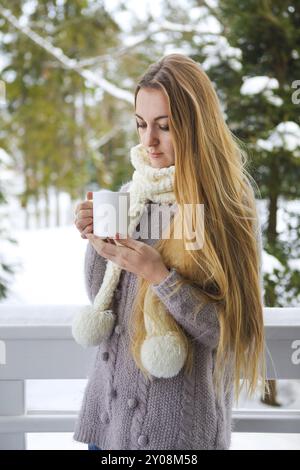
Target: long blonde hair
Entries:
(211, 170)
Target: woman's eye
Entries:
(163, 128)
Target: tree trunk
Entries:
(271, 395)
(37, 211)
(27, 217)
(47, 208)
(57, 207)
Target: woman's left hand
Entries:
(134, 256)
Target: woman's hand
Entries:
(84, 215)
(83, 219)
(134, 256)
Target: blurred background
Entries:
(68, 69)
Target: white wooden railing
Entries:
(29, 350)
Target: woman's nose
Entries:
(150, 138)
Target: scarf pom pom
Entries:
(90, 327)
(163, 356)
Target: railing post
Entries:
(12, 403)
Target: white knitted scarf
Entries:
(95, 323)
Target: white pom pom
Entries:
(163, 356)
(91, 327)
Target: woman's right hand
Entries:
(84, 215)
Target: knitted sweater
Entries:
(123, 410)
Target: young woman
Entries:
(205, 304)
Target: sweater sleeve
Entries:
(204, 325)
(95, 265)
(94, 270)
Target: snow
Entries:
(285, 135)
(255, 85)
(221, 50)
(47, 258)
(261, 441)
(53, 441)
(124, 17)
(264, 85)
(4, 158)
(270, 263)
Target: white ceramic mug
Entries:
(110, 213)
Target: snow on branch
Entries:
(203, 28)
(71, 64)
(155, 28)
(285, 136)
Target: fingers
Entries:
(130, 242)
(87, 229)
(81, 224)
(84, 213)
(85, 205)
(83, 219)
(104, 249)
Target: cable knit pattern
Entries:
(185, 436)
(123, 410)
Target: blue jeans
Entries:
(93, 447)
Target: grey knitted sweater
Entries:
(123, 410)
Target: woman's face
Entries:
(151, 105)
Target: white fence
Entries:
(29, 350)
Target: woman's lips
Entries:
(155, 155)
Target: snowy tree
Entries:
(59, 115)
(7, 269)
